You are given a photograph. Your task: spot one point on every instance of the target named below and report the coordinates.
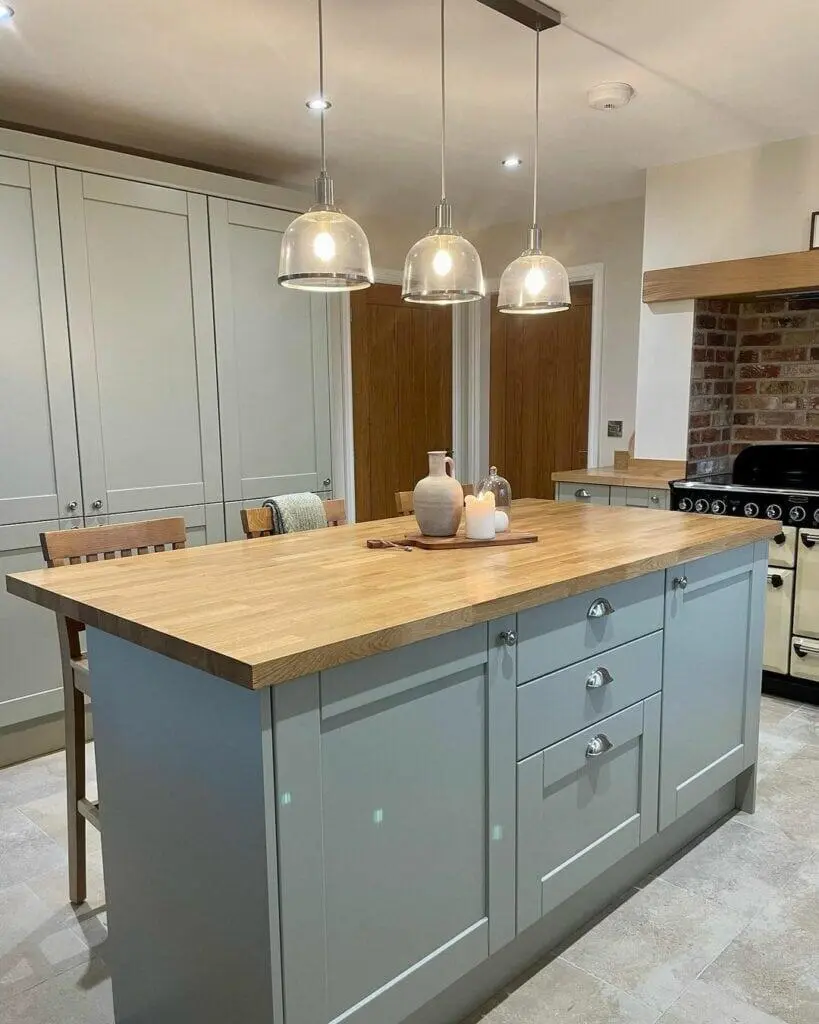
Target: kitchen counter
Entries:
(652, 473)
(264, 611)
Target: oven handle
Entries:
(802, 649)
(775, 579)
(808, 538)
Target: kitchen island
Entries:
(348, 784)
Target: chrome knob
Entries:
(600, 677)
(718, 507)
(685, 505)
(701, 505)
(327, 481)
(97, 505)
(599, 745)
(582, 494)
(654, 499)
(72, 506)
(797, 514)
(679, 582)
(508, 638)
(774, 512)
(751, 510)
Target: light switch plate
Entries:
(615, 428)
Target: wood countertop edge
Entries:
(614, 478)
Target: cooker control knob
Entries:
(718, 507)
(774, 511)
(797, 514)
(751, 510)
(701, 505)
(816, 516)
(686, 504)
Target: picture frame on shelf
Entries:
(814, 230)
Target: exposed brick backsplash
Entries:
(754, 378)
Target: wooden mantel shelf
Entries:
(784, 272)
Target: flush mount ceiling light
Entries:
(534, 282)
(610, 95)
(324, 250)
(443, 267)
(6, 12)
(511, 162)
(319, 103)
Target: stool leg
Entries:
(75, 773)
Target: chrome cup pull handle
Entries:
(599, 608)
(507, 638)
(582, 494)
(679, 582)
(599, 745)
(600, 677)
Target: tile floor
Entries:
(728, 933)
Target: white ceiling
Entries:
(223, 82)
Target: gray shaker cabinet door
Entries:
(141, 319)
(274, 390)
(39, 464)
(396, 827)
(712, 675)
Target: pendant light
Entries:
(323, 250)
(443, 267)
(534, 282)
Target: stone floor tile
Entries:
(78, 996)
(777, 746)
(559, 991)
(656, 943)
(787, 806)
(25, 849)
(775, 709)
(702, 1003)
(31, 780)
(738, 867)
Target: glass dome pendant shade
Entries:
(323, 250)
(443, 268)
(534, 282)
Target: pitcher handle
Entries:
(449, 465)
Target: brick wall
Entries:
(754, 378)
(712, 386)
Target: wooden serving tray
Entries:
(418, 540)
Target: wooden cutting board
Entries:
(418, 540)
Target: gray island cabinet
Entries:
(395, 836)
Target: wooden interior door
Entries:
(402, 394)
(539, 394)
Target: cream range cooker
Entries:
(779, 482)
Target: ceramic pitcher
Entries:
(439, 498)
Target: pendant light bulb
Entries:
(324, 250)
(443, 267)
(534, 282)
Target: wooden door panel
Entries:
(402, 394)
(539, 394)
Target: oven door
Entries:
(806, 608)
(778, 608)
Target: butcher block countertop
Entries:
(260, 612)
(654, 473)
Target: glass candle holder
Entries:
(497, 485)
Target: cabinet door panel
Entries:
(273, 366)
(39, 465)
(142, 338)
(712, 666)
(806, 604)
(30, 677)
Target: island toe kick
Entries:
(398, 836)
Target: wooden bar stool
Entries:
(404, 500)
(258, 522)
(71, 547)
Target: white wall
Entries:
(755, 202)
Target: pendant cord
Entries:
(537, 125)
(321, 83)
(443, 104)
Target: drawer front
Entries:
(600, 788)
(576, 697)
(782, 549)
(778, 607)
(805, 658)
(591, 494)
(659, 498)
(559, 634)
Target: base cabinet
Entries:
(712, 669)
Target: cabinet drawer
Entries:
(576, 697)
(805, 658)
(559, 634)
(778, 606)
(583, 804)
(782, 549)
(591, 494)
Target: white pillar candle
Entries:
(480, 516)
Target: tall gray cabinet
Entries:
(150, 365)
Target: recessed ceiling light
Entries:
(6, 12)
(319, 103)
(511, 161)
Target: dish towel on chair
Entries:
(294, 513)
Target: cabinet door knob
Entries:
(655, 499)
(780, 538)
(72, 506)
(775, 579)
(508, 638)
(97, 505)
(679, 582)
(327, 481)
(599, 608)
(582, 493)
(600, 677)
(599, 745)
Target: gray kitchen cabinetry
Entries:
(590, 494)
(712, 669)
(205, 524)
(271, 342)
(602, 494)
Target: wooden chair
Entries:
(71, 547)
(404, 503)
(258, 522)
